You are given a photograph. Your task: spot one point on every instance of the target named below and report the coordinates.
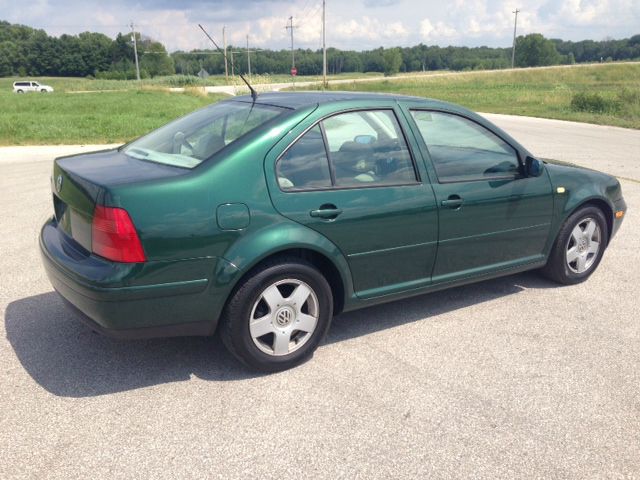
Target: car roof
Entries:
(297, 100)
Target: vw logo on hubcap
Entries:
(582, 246)
(284, 316)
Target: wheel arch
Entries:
(602, 205)
(301, 243)
(319, 260)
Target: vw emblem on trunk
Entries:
(59, 183)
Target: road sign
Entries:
(294, 71)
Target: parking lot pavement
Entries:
(510, 378)
(608, 149)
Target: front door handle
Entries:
(327, 212)
(454, 201)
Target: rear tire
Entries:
(20, 91)
(578, 248)
(278, 316)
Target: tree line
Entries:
(25, 51)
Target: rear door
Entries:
(352, 177)
(492, 217)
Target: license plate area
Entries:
(59, 207)
(72, 223)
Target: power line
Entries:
(312, 15)
(290, 28)
(304, 8)
(135, 50)
(513, 49)
(224, 44)
(324, 45)
(254, 94)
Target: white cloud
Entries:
(368, 28)
(354, 24)
(439, 31)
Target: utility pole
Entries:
(324, 46)
(233, 73)
(513, 49)
(135, 50)
(224, 43)
(248, 57)
(290, 27)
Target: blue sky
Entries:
(351, 24)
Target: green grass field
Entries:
(63, 84)
(612, 92)
(116, 111)
(109, 117)
(604, 94)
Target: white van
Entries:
(24, 87)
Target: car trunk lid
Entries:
(80, 182)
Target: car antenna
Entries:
(254, 94)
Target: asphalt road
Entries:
(510, 378)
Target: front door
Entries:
(352, 178)
(492, 217)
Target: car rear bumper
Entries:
(119, 300)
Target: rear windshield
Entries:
(192, 139)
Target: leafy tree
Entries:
(28, 51)
(154, 59)
(7, 58)
(392, 59)
(534, 50)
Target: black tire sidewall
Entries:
(561, 270)
(235, 331)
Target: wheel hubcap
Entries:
(583, 245)
(284, 317)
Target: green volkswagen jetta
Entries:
(263, 219)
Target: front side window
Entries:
(368, 148)
(190, 140)
(462, 150)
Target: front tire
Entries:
(278, 316)
(579, 247)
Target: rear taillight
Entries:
(114, 236)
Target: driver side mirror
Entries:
(533, 167)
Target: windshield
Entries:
(190, 140)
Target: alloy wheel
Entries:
(583, 245)
(284, 317)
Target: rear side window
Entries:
(305, 164)
(367, 147)
(353, 149)
(194, 138)
(461, 150)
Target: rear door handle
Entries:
(454, 201)
(328, 212)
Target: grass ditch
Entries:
(607, 94)
(109, 117)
